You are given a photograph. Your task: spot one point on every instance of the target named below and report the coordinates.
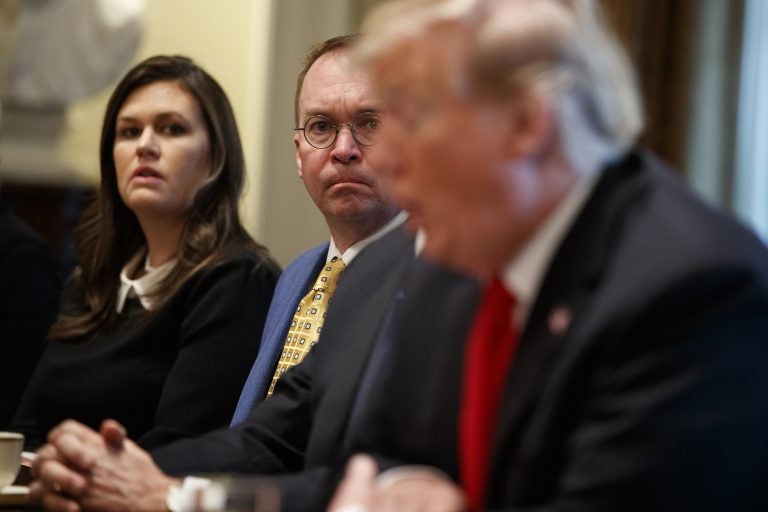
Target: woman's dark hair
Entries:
(109, 235)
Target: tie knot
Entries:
(497, 297)
(329, 275)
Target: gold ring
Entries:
(56, 487)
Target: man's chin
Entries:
(356, 209)
(443, 252)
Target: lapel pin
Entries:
(559, 320)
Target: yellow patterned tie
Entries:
(308, 319)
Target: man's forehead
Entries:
(342, 112)
(334, 69)
(340, 100)
(334, 86)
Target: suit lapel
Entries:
(291, 287)
(296, 284)
(357, 320)
(564, 296)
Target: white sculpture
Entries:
(56, 51)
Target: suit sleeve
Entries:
(272, 439)
(219, 338)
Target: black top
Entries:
(29, 298)
(174, 373)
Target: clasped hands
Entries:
(81, 470)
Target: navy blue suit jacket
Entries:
(640, 379)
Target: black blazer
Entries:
(303, 424)
(655, 396)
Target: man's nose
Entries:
(346, 148)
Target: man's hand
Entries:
(407, 489)
(80, 469)
(62, 466)
(355, 491)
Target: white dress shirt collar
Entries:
(523, 274)
(354, 249)
(141, 287)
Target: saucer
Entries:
(14, 495)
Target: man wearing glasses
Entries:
(338, 120)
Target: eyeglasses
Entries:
(320, 132)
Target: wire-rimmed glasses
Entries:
(320, 132)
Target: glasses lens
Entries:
(319, 131)
(368, 129)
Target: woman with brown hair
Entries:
(163, 315)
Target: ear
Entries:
(531, 123)
(297, 143)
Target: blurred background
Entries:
(702, 66)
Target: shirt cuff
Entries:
(396, 474)
(195, 495)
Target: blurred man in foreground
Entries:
(617, 360)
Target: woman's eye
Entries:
(128, 132)
(173, 129)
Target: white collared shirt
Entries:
(354, 249)
(523, 274)
(141, 287)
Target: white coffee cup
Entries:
(11, 444)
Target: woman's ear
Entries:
(531, 123)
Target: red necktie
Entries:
(489, 353)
